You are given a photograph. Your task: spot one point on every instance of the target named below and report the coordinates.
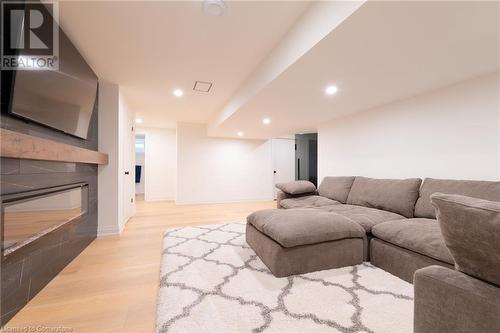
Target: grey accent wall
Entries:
(26, 271)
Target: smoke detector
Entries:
(214, 7)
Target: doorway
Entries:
(140, 166)
(306, 157)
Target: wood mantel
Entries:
(18, 145)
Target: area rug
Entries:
(211, 281)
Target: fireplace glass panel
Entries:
(28, 219)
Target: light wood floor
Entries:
(112, 285)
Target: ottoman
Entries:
(297, 241)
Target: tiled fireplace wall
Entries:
(26, 271)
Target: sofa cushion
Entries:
(366, 217)
(336, 188)
(308, 201)
(471, 188)
(471, 230)
(305, 226)
(418, 235)
(297, 187)
(394, 195)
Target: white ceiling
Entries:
(383, 52)
(151, 48)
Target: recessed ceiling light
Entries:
(138, 120)
(178, 93)
(266, 121)
(331, 90)
(240, 133)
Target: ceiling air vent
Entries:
(202, 86)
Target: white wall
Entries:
(283, 154)
(453, 132)
(111, 114)
(160, 163)
(108, 203)
(221, 170)
(127, 160)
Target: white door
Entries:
(284, 160)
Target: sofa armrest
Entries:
(447, 300)
(280, 195)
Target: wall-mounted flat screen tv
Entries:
(62, 99)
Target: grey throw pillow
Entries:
(336, 188)
(297, 187)
(487, 190)
(471, 230)
(393, 195)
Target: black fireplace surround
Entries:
(28, 216)
(27, 269)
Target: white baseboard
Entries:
(108, 231)
(112, 230)
(158, 199)
(208, 202)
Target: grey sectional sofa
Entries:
(466, 298)
(401, 233)
(453, 260)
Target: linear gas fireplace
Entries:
(31, 215)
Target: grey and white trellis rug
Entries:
(211, 281)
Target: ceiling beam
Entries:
(317, 22)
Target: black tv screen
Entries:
(62, 99)
(138, 169)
